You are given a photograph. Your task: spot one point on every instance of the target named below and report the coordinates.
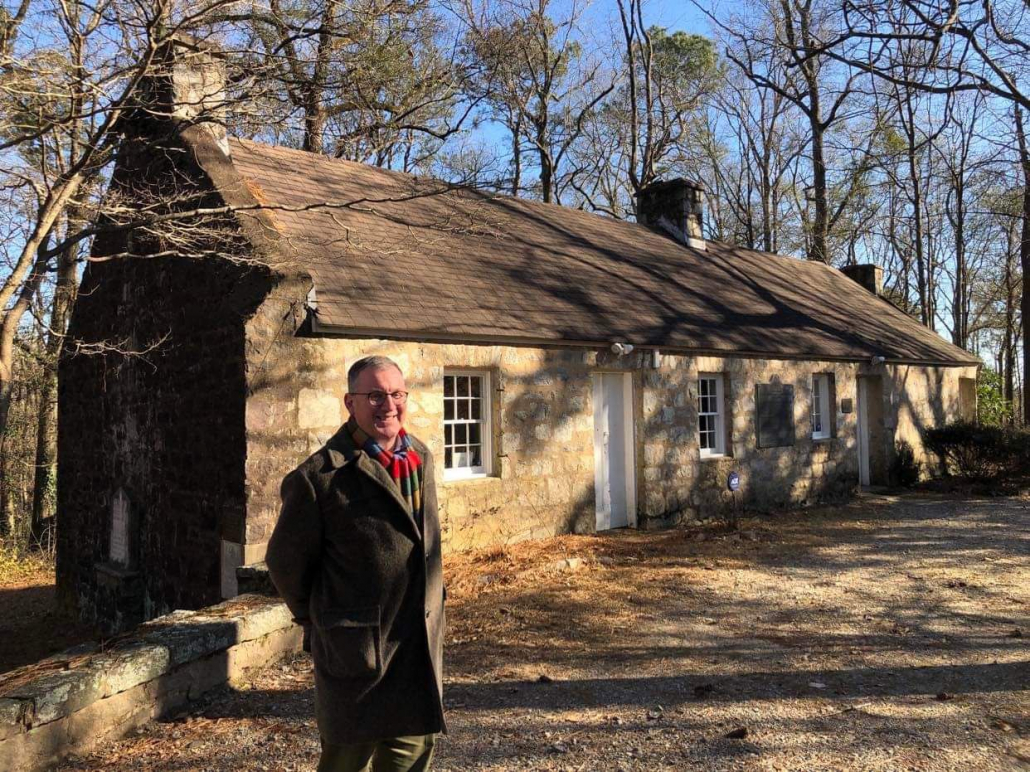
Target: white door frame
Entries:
(863, 430)
(601, 469)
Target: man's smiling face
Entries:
(384, 422)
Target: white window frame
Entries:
(821, 388)
(485, 469)
(719, 450)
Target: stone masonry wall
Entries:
(919, 398)
(163, 432)
(151, 402)
(543, 476)
(74, 700)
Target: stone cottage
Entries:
(570, 372)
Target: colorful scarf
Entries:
(402, 464)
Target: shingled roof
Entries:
(396, 256)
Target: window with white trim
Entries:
(711, 415)
(466, 424)
(822, 406)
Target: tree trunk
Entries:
(516, 157)
(1024, 255)
(820, 224)
(911, 150)
(1009, 345)
(46, 449)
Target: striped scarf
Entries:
(402, 464)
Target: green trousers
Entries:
(396, 754)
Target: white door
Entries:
(863, 432)
(614, 480)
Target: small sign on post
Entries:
(733, 482)
(733, 485)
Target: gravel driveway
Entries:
(888, 634)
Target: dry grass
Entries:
(20, 566)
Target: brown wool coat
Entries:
(350, 561)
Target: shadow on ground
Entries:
(33, 627)
(882, 635)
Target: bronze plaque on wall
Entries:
(774, 407)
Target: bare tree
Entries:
(644, 129)
(776, 44)
(961, 46)
(540, 82)
(763, 146)
(366, 81)
(60, 118)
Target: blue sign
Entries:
(733, 481)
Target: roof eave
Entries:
(322, 330)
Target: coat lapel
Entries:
(342, 451)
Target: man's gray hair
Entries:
(368, 363)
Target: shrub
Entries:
(991, 406)
(19, 565)
(904, 469)
(980, 453)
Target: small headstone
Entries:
(121, 518)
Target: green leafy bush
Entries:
(981, 453)
(991, 406)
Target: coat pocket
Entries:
(347, 642)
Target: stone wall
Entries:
(156, 438)
(543, 477)
(151, 403)
(70, 702)
(919, 398)
(679, 484)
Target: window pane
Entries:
(464, 419)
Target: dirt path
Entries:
(890, 634)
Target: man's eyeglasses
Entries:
(378, 398)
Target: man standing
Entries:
(356, 556)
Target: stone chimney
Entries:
(186, 87)
(868, 275)
(675, 207)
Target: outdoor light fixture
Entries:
(621, 349)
